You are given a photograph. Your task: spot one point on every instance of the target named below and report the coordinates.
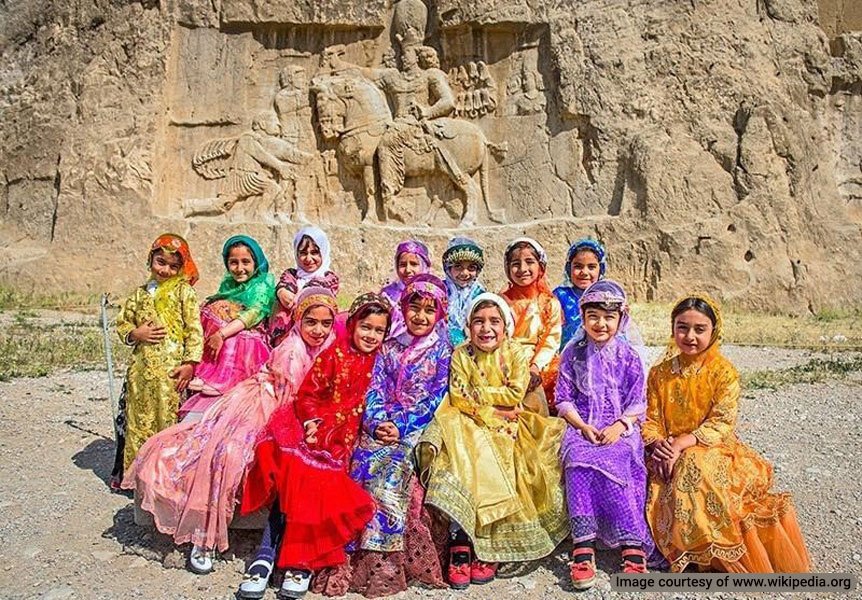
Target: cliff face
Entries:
(709, 144)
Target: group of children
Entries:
(435, 430)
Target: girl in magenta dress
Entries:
(189, 475)
(234, 324)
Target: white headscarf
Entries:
(508, 317)
(322, 242)
(540, 252)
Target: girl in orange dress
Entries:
(709, 501)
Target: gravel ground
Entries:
(64, 536)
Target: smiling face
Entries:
(421, 316)
(240, 263)
(308, 255)
(692, 332)
(487, 328)
(464, 272)
(585, 269)
(524, 268)
(409, 264)
(369, 332)
(601, 325)
(315, 325)
(164, 265)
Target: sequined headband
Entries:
(315, 300)
(602, 297)
(367, 299)
(464, 253)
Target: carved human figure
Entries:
(291, 103)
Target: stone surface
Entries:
(715, 145)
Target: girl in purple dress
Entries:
(601, 394)
(411, 259)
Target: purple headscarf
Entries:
(395, 287)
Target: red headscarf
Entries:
(172, 243)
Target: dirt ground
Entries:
(63, 535)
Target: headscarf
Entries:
(598, 375)
(461, 249)
(364, 300)
(569, 294)
(427, 286)
(672, 350)
(319, 238)
(255, 293)
(508, 317)
(173, 243)
(540, 286)
(395, 287)
(584, 244)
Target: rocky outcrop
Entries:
(711, 145)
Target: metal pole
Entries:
(112, 394)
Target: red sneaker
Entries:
(459, 575)
(634, 567)
(584, 572)
(482, 572)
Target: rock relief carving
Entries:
(524, 90)
(477, 95)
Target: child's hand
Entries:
(387, 433)
(148, 333)
(213, 345)
(590, 433)
(664, 450)
(311, 432)
(183, 374)
(508, 413)
(535, 381)
(286, 298)
(611, 433)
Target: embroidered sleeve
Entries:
(654, 428)
(316, 388)
(564, 392)
(260, 303)
(287, 281)
(419, 415)
(551, 335)
(126, 318)
(720, 421)
(633, 404)
(463, 395)
(379, 390)
(332, 282)
(517, 361)
(193, 333)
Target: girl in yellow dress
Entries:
(538, 318)
(161, 320)
(709, 501)
(490, 466)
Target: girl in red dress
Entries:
(302, 460)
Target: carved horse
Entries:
(354, 111)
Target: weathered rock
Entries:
(711, 145)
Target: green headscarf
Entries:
(255, 295)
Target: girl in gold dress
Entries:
(709, 501)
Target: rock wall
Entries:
(712, 145)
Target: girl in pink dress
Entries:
(188, 476)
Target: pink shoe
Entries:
(482, 572)
(634, 567)
(459, 575)
(584, 572)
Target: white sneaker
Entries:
(200, 561)
(295, 584)
(254, 586)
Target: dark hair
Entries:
(417, 297)
(488, 304)
(580, 249)
(692, 303)
(304, 242)
(373, 309)
(244, 245)
(607, 306)
(520, 246)
(155, 251)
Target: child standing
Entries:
(233, 320)
(709, 501)
(600, 393)
(492, 467)
(463, 261)
(538, 317)
(162, 321)
(585, 265)
(312, 254)
(301, 461)
(411, 258)
(189, 475)
(408, 382)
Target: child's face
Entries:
(524, 267)
(487, 328)
(692, 331)
(165, 265)
(308, 255)
(464, 273)
(409, 264)
(421, 316)
(601, 325)
(315, 325)
(240, 263)
(369, 333)
(584, 269)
